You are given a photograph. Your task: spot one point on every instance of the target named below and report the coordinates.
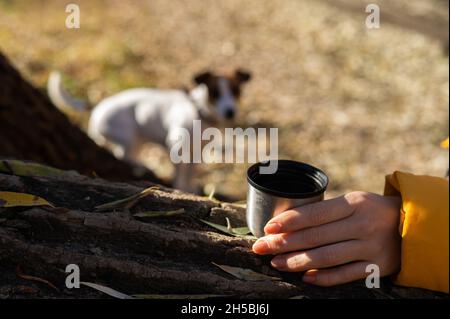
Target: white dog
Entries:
(123, 122)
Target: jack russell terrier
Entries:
(123, 122)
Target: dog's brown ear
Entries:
(203, 78)
(242, 75)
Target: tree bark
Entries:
(32, 128)
(165, 255)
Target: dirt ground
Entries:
(358, 103)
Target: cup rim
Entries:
(314, 172)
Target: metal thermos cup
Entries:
(293, 184)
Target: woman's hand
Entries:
(346, 233)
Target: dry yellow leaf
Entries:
(13, 199)
(24, 168)
(126, 203)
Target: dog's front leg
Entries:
(180, 146)
(184, 177)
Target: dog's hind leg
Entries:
(124, 147)
(129, 152)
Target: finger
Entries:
(337, 275)
(310, 215)
(322, 257)
(312, 237)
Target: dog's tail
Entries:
(60, 97)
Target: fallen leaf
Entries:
(106, 290)
(179, 296)
(217, 226)
(20, 274)
(243, 231)
(126, 203)
(23, 168)
(160, 213)
(246, 274)
(13, 199)
(237, 232)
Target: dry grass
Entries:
(358, 103)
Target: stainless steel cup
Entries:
(293, 184)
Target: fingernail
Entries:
(261, 247)
(278, 263)
(272, 228)
(309, 277)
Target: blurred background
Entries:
(358, 103)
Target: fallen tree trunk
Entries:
(161, 255)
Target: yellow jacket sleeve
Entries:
(424, 227)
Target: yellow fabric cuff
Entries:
(424, 227)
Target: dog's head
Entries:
(221, 91)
